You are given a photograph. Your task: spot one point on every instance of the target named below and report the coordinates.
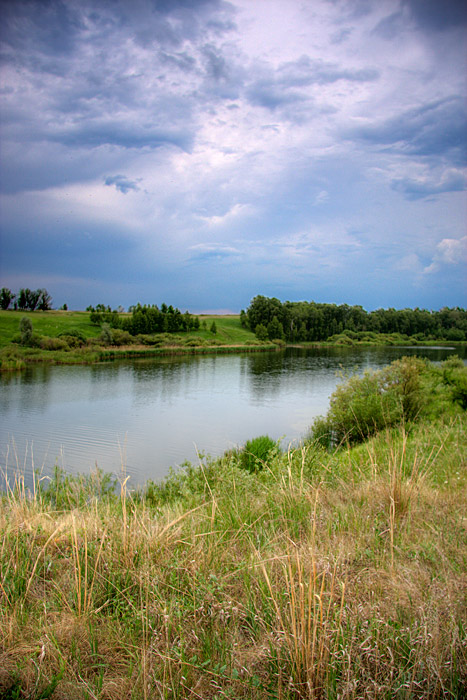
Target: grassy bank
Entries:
(69, 337)
(312, 574)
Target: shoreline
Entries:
(18, 357)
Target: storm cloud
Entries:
(307, 148)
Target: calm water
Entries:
(151, 414)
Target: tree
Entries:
(261, 332)
(23, 299)
(6, 297)
(25, 329)
(275, 329)
(45, 300)
(213, 328)
(32, 298)
(95, 318)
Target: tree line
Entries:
(26, 299)
(311, 321)
(146, 319)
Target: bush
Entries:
(369, 403)
(71, 341)
(455, 376)
(256, 452)
(47, 343)
(73, 333)
(455, 334)
(25, 329)
(106, 335)
(120, 337)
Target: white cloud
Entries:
(449, 251)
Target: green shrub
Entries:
(106, 335)
(120, 337)
(369, 403)
(47, 343)
(73, 333)
(255, 452)
(25, 329)
(71, 341)
(455, 376)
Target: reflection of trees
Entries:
(28, 389)
(167, 377)
(267, 375)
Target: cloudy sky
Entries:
(200, 152)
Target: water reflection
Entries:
(151, 414)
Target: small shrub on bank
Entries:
(73, 333)
(120, 337)
(25, 329)
(47, 343)
(256, 452)
(367, 404)
(455, 377)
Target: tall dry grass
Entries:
(321, 576)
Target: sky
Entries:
(201, 152)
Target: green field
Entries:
(50, 323)
(301, 575)
(92, 347)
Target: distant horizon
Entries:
(199, 151)
(230, 312)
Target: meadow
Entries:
(69, 337)
(305, 574)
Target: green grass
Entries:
(53, 324)
(229, 329)
(50, 323)
(322, 575)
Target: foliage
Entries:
(455, 376)
(311, 321)
(25, 329)
(322, 576)
(256, 452)
(364, 405)
(261, 332)
(30, 300)
(6, 297)
(213, 328)
(106, 336)
(275, 330)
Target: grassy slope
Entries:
(50, 323)
(54, 323)
(322, 576)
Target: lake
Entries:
(147, 415)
